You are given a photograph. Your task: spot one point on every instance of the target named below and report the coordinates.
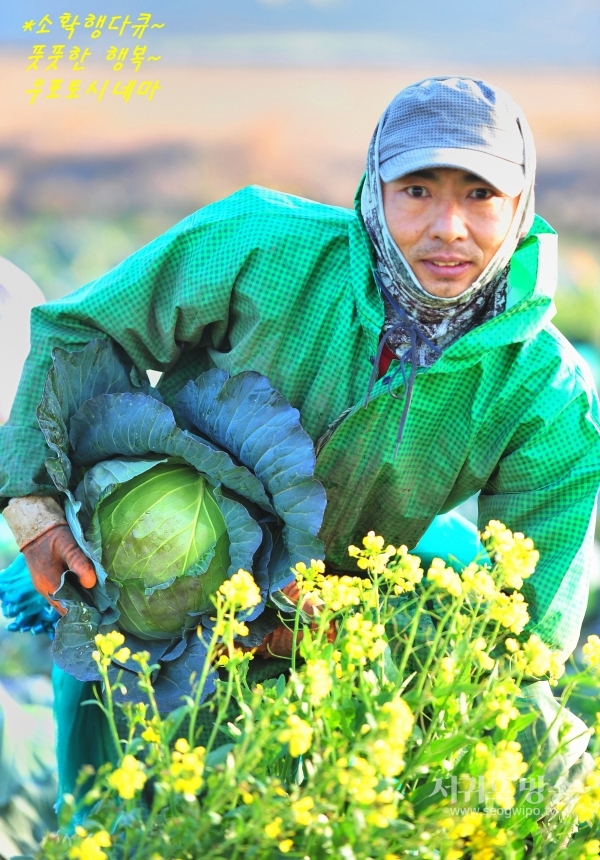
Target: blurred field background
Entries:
(286, 95)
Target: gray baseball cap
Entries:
(454, 122)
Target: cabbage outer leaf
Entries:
(252, 420)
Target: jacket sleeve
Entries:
(545, 486)
(172, 294)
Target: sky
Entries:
(511, 32)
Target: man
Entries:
(443, 267)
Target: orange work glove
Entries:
(280, 643)
(49, 555)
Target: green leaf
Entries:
(74, 378)
(219, 755)
(74, 637)
(439, 750)
(126, 425)
(173, 721)
(248, 417)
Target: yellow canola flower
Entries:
(186, 769)
(319, 680)
(445, 578)
(476, 835)
(342, 592)
(364, 639)
(448, 669)
(335, 592)
(507, 713)
(482, 843)
(587, 807)
(310, 579)
(466, 826)
(298, 735)
(274, 829)
(398, 718)
(359, 778)
(479, 582)
(482, 658)
(514, 554)
(373, 557)
(315, 569)
(504, 767)
(387, 757)
(535, 658)
(107, 645)
(301, 810)
(150, 735)
(128, 778)
(239, 628)
(591, 850)
(385, 808)
(591, 652)
(337, 669)
(240, 590)
(502, 702)
(90, 848)
(374, 543)
(142, 658)
(382, 814)
(404, 572)
(236, 656)
(511, 611)
(394, 726)
(286, 846)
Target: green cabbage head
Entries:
(169, 502)
(159, 531)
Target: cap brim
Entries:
(506, 176)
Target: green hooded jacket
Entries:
(281, 285)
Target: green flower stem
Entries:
(109, 708)
(206, 668)
(223, 706)
(424, 597)
(454, 609)
(146, 831)
(295, 634)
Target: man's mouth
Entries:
(447, 268)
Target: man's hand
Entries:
(41, 531)
(49, 555)
(280, 642)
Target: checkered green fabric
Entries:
(277, 284)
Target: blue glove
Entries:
(27, 609)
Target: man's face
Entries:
(448, 224)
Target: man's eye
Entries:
(481, 193)
(417, 191)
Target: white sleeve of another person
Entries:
(18, 295)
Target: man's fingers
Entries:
(59, 608)
(291, 590)
(81, 566)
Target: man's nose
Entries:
(448, 223)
